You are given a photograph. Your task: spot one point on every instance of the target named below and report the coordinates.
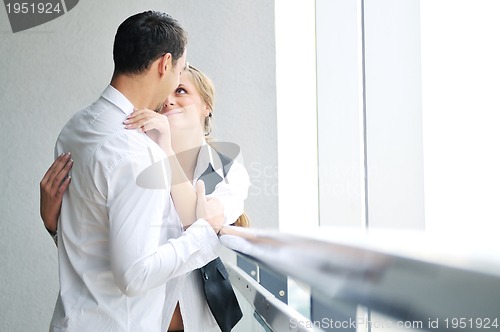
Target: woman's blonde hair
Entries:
(243, 221)
(206, 89)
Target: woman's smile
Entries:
(173, 112)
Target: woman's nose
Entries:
(169, 102)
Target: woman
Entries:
(180, 128)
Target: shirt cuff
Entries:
(197, 246)
(205, 235)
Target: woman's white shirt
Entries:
(187, 289)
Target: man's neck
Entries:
(136, 89)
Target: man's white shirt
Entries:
(115, 258)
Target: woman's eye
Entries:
(180, 91)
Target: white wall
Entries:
(394, 114)
(51, 71)
(460, 82)
(369, 114)
(296, 113)
(340, 113)
(432, 112)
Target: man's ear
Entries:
(165, 63)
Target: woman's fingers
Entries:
(141, 113)
(149, 125)
(54, 176)
(52, 187)
(138, 123)
(138, 118)
(63, 179)
(64, 185)
(147, 121)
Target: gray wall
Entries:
(51, 71)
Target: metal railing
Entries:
(271, 312)
(433, 282)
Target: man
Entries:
(114, 255)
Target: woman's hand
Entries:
(155, 125)
(52, 187)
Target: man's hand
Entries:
(211, 210)
(52, 187)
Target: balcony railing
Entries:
(359, 281)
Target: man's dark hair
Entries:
(143, 38)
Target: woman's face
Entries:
(184, 107)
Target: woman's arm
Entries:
(52, 187)
(183, 194)
(232, 191)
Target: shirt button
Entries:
(206, 276)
